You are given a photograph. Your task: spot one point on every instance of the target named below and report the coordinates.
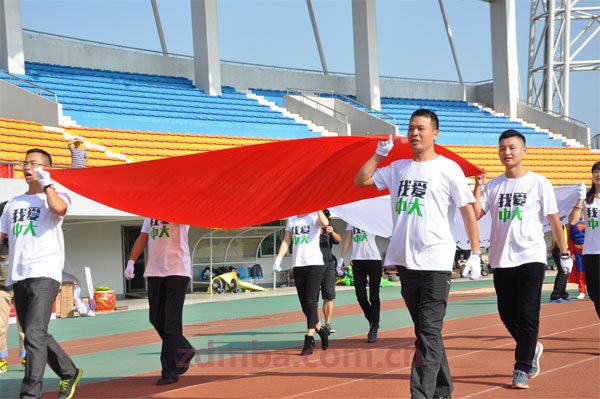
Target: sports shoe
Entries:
(535, 363)
(330, 328)
(183, 364)
(3, 366)
(24, 362)
(372, 335)
(67, 387)
(581, 295)
(520, 380)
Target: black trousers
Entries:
(308, 282)
(591, 264)
(372, 270)
(34, 299)
(426, 297)
(560, 281)
(519, 291)
(166, 296)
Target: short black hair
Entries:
(40, 151)
(512, 133)
(429, 114)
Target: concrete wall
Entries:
(555, 124)
(312, 110)
(17, 103)
(364, 123)
(52, 50)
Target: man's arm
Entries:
(138, 246)
(364, 177)
(56, 204)
(471, 227)
(323, 219)
(479, 182)
(335, 237)
(285, 244)
(347, 243)
(557, 232)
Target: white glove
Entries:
(340, 267)
(566, 264)
(277, 264)
(473, 267)
(43, 176)
(384, 147)
(129, 274)
(582, 191)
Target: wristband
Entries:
(47, 186)
(566, 255)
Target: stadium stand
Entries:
(461, 122)
(107, 99)
(562, 166)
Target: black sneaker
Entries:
(67, 387)
(185, 359)
(166, 380)
(372, 335)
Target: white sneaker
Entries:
(581, 295)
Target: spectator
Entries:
(327, 238)
(78, 154)
(575, 240)
(559, 291)
(33, 224)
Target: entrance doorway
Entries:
(137, 285)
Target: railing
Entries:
(39, 89)
(319, 106)
(557, 114)
(596, 142)
(274, 67)
(381, 115)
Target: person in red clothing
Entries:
(576, 237)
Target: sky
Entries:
(411, 36)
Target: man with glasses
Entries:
(32, 222)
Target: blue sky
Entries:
(411, 36)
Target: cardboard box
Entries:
(64, 300)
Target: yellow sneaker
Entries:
(3, 366)
(23, 362)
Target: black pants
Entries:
(426, 297)
(166, 296)
(560, 281)
(34, 299)
(308, 282)
(372, 270)
(591, 264)
(519, 291)
(328, 282)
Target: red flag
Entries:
(241, 186)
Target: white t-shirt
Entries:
(168, 249)
(424, 198)
(305, 238)
(35, 238)
(518, 209)
(364, 244)
(591, 216)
